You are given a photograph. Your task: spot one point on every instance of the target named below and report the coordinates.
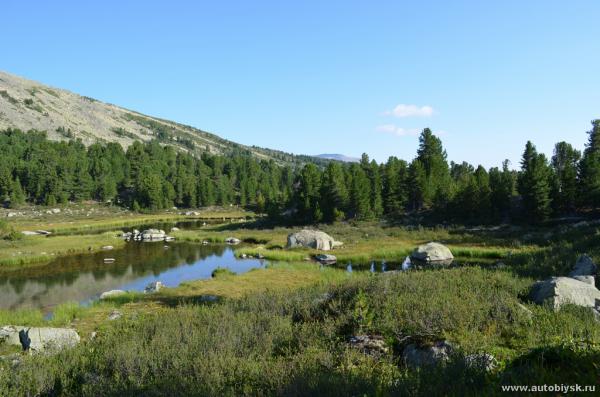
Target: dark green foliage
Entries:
(589, 168)
(564, 184)
(534, 184)
(295, 343)
(154, 176)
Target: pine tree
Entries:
(360, 200)
(589, 168)
(395, 186)
(17, 196)
(334, 194)
(564, 188)
(432, 157)
(534, 184)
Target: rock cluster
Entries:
(147, 235)
(577, 289)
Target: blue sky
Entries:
(328, 76)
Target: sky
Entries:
(313, 77)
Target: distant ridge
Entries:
(338, 157)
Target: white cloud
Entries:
(398, 131)
(403, 110)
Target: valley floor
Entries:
(288, 329)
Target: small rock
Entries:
(108, 247)
(232, 240)
(56, 210)
(584, 266)
(481, 361)
(112, 293)
(115, 315)
(174, 229)
(329, 259)
(415, 356)
(153, 287)
(372, 345)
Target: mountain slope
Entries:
(27, 105)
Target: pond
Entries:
(84, 277)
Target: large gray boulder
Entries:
(584, 266)
(558, 291)
(415, 356)
(312, 239)
(153, 235)
(38, 339)
(432, 253)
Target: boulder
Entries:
(372, 345)
(38, 338)
(586, 279)
(112, 293)
(557, 291)
(481, 361)
(174, 229)
(323, 258)
(312, 239)
(108, 247)
(432, 253)
(415, 356)
(583, 267)
(232, 240)
(115, 315)
(153, 235)
(153, 287)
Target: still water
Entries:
(82, 278)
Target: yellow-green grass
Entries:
(41, 249)
(71, 225)
(275, 277)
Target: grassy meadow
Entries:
(285, 329)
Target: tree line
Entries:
(567, 183)
(153, 176)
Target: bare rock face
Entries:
(38, 339)
(312, 239)
(558, 291)
(432, 253)
(415, 356)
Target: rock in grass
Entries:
(232, 240)
(112, 293)
(432, 253)
(329, 259)
(115, 315)
(372, 345)
(153, 287)
(558, 291)
(481, 361)
(584, 266)
(38, 339)
(312, 239)
(415, 356)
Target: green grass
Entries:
(286, 341)
(32, 250)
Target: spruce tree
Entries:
(589, 168)
(565, 164)
(534, 185)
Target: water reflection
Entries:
(83, 277)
